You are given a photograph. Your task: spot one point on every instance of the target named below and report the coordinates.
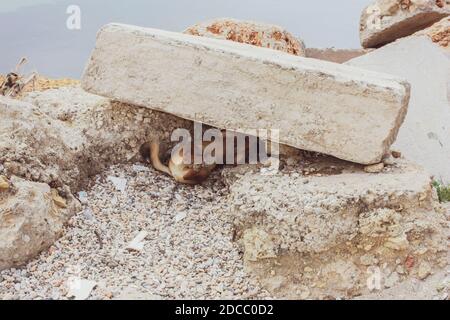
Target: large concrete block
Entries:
(425, 135)
(385, 21)
(325, 231)
(347, 112)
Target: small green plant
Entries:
(442, 191)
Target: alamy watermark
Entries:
(73, 21)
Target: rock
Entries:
(397, 243)
(137, 244)
(68, 153)
(83, 197)
(258, 92)
(64, 154)
(376, 168)
(425, 134)
(258, 245)
(4, 184)
(296, 215)
(80, 289)
(119, 183)
(438, 33)
(180, 216)
(253, 33)
(391, 280)
(30, 221)
(349, 218)
(58, 200)
(385, 21)
(424, 270)
(335, 55)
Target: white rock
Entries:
(79, 288)
(137, 244)
(316, 105)
(425, 134)
(83, 197)
(180, 216)
(139, 168)
(119, 183)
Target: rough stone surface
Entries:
(439, 33)
(62, 139)
(335, 55)
(30, 221)
(425, 134)
(323, 234)
(384, 21)
(76, 135)
(317, 106)
(248, 32)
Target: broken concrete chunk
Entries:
(331, 231)
(385, 21)
(439, 33)
(425, 134)
(180, 216)
(254, 33)
(119, 183)
(28, 223)
(298, 215)
(137, 244)
(80, 289)
(316, 105)
(375, 168)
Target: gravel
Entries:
(188, 251)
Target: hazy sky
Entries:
(37, 28)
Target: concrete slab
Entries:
(316, 105)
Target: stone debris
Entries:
(78, 135)
(195, 259)
(328, 111)
(80, 289)
(83, 197)
(29, 221)
(180, 216)
(137, 244)
(248, 32)
(385, 21)
(341, 223)
(439, 33)
(424, 271)
(375, 168)
(119, 183)
(4, 184)
(425, 135)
